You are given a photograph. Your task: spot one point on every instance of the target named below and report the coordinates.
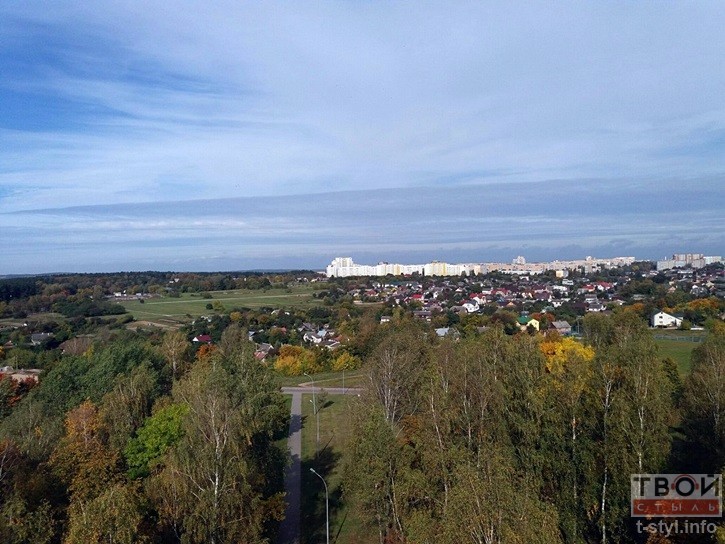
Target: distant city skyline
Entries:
(173, 136)
(342, 267)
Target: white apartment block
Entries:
(693, 260)
(342, 267)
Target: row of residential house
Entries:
(459, 295)
(312, 335)
(432, 296)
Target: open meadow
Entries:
(166, 310)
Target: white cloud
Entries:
(162, 101)
(557, 219)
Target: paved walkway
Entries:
(289, 529)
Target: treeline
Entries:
(502, 438)
(138, 441)
(25, 295)
(86, 307)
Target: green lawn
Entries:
(352, 378)
(168, 309)
(679, 351)
(678, 345)
(346, 526)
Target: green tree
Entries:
(176, 351)
(235, 342)
(489, 504)
(703, 404)
(113, 516)
(372, 472)
(158, 433)
(395, 369)
(124, 409)
(220, 468)
(631, 400)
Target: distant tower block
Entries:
(519, 260)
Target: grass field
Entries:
(678, 345)
(346, 526)
(167, 310)
(351, 378)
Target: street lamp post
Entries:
(316, 411)
(327, 505)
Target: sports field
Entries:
(678, 345)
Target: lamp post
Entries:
(327, 505)
(316, 412)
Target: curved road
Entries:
(289, 530)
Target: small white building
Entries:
(663, 319)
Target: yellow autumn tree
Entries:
(296, 360)
(561, 350)
(81, 459)
(345, 361)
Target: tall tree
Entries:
(217, 469)
(373, 472)
(81, 459)
(704, 404)
(235, 342)
(395, 369)
(176, 350)
(631, 398)
(115, 517)
(125, 407)
(566, 423)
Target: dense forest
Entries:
(134, 442)
(502, 438)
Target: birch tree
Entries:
(218, 472)
(704, 403)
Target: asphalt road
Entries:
(289, 530)
(328, 390)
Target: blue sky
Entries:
(159, 135)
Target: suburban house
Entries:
(525, 322)
(447, 331)
(39, 337)
(663, 319)
(263, 351)
(562, 327)
(20, 375)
